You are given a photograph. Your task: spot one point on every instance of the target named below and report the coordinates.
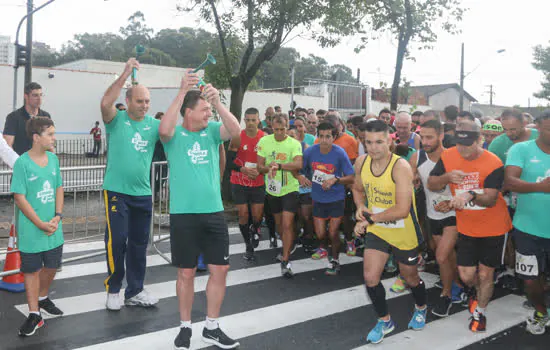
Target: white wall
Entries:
(448, 97)
(377, 106)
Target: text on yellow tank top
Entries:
(380, 191)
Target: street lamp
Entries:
(463, 76)
(27, 51)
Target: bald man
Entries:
(132, 135)
(404, 135)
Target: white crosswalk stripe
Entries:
(277, 318)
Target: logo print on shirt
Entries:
(197, 155)
(203, 133)
(147, 128)
(46, 195)
(535, 160)
(245, 147)
(542, 178)
(138, 142)
(33, 177)
(183, 133)
(127, 123)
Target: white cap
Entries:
(478, 122)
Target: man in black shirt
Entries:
(15, 126)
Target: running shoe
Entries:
(183, 340)
(273, 242)
(333, 268)
(478, 322)
(390, 265)
(143, 299)
(320, 253)
(376, 335)
(48, 307)
(254, 236)
(286, 269)
(399, 286)
(438, 284)
(351, 250)
(442, 306)
(457, 294)
(31, 324)
(218, 338)
(418, 320)
(537, 323)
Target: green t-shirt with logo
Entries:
(281, 152)
(194, 166)
(38, 185)
(502, 143)
(130, 149)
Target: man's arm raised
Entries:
(230, 127)
(170, 118)
(108, 109)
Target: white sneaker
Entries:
(143, 299)
(113, 302)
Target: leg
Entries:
(306, 211)
(32, 288)
(373, 266)
(320, 230)
(446, 257)
(138, 238)
(116, 235)
(287, 222)
(269, 219)
(185, 289)
(256, 199)
(468, 275)
(46, 277)
(334, 233)
(215, 289)
(486, 285)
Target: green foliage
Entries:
(541, 62)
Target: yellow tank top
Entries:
(403, 234)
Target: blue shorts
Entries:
(332, 210)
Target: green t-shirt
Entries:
(532, 208)
(350, 133)
(130, 149)
(309, 139)
(194, 166)
(38, 185)
(282, 152)
(502, 143)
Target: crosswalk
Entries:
(261, 309)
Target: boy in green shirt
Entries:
(36, 184)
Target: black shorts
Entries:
(532, 255)
(437, 226)
(406, 257)
(247, 195)
(350, 207)
(288, 203)
(305, 199)
(50, 259)
(332, 210)
(472, 251)
(193, 234)
(420, 200)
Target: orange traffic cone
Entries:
(13, 283)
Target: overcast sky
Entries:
(488, 26)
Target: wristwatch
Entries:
(474, 195)
(60, 215)
(368, 218)
(279, 166)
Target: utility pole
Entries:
(292, 88)
(491, 94)
(28, 64)
(461, 98)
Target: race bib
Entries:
(388, 224)
(470, 205)
(319, 177)
(527, 265)
(250, 165)
(274, 186)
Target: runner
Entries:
(404, 135)
(246, 183)
(441, 219)
(528, 174)
(386, 180)
(491, 130)
(475, 177)
(301, 135)
(132, 135)
(278, 156)
(331, 170)
(198, 225)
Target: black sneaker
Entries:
(273, 242)
(32, 323)
(218, 338)
(286, 269)
(438, 284)
(49, 307)
(183, 340)
(249, 255)
(442, 306)
(254, 236)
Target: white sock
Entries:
(35, 312)
(211, 323)
(42, 298)
(479, 310)
(185, 324)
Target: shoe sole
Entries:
(383, 335)
(218, 344)
(288, 275)
(138, 304)
(181, 347)
(50, 314)
(443, 315)
(39, 325)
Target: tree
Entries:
(43, 55)
(106, 46)
(409, 21)
(266, 27)
(541, 57)
(136, 32)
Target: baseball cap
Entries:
(466, 138)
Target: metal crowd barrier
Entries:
(84, 207)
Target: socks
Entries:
(211, 323)
(245, 233)
(419, 294)
(377, 295)
(42, 298)
(35, 312)
(478, 311)
(185, 324)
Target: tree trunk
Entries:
(238, 88)
(401, 49)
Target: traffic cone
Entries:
(13, 283)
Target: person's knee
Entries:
(486, 274)
(411, 277)
(186, 275)
(219, 271)
(466, 276)
(442, 257)
(371, 278)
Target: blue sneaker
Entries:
(457, 294)
(390, 265)
(200, 264)
(418, 321)
(376, 335)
